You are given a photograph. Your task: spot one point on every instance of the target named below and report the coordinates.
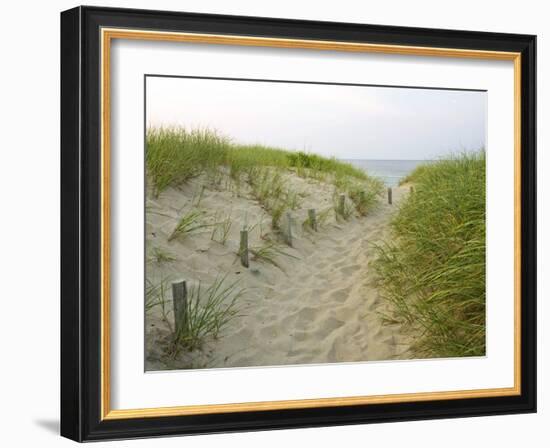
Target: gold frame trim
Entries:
(107, 35)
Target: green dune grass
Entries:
(433, 268)
(173, 156)
(176, 155)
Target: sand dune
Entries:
(321, 306)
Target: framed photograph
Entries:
(272, 223)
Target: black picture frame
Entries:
(81, 224)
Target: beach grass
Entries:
(175, 155)
(324, 215)
(152, 295)
(208, 311)
(364, 199)
(155, 295)
(418, 172)
(189, 222)
(268, 253)
(433, 269)
(160, 256)
(221, 228)
(310, 165)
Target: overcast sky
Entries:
(347, 122)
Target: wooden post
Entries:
(312, 218)
(412, 189)
(289, 229)
(243, 248)
(342, 204)
(389, 195)
(179, 298)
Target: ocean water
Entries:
(390, 171)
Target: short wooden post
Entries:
(243, 248)
(342, 204)
(389, 195)
(312, 218)
(179, 298)
(289, 229)
(412, 189)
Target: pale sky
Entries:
(348, 122)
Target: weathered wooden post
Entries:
(243, 248)
(342, 204)
(289, 229)
(312, 218)
(361, 203)
(389, 195)
(412, 189)
(179, 298)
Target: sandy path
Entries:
(324, 307)
(327, 311)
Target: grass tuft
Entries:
(175, 155)
(155, 295)
(208, 312)
(268, 253)
(187, 224)
(363, 199)
(160, 256)
(221, 229)
(315, 166)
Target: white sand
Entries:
(324, 307)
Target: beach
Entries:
(316, 301)
(389, 171)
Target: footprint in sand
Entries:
(339, 264)
(373, 304)
(305, 316)
(304, 278)
(348, 270)
(292, 294)
(271, 331)
(343, 349)
(340, 295)
(328, 326)
(321, 265)
(315, 293)
(300, 336)
(239, 338)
